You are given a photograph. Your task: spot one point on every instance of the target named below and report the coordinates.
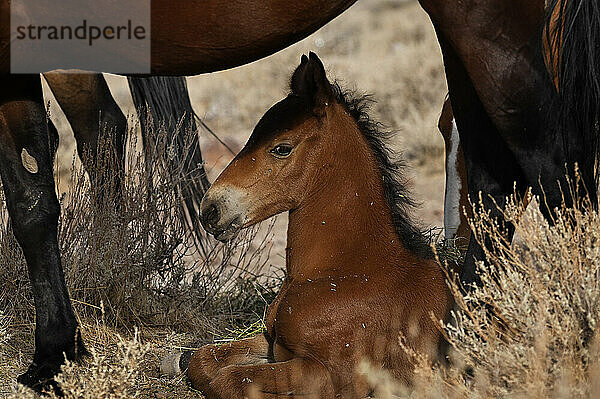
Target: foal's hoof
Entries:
(40, 378)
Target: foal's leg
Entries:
(290, 379)
(208, 360)
(94, 116)
(34, 210)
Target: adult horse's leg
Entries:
(26, 169)
(456, 201)
(491, 167)
(501, 96)
(96, 120)
(530, 151)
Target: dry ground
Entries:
(384, 47)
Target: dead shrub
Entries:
(127, 253)
(539, 340)
(130, 262)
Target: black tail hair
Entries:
(575, 42)
(163, 103)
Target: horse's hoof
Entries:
(40, 378)
(175, 363)
(169, 366)
(40, 375)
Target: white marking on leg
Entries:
(453, 186)
(29, 162)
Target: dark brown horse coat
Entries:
(505, 103)
(198, 36)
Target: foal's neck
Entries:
(345, 224)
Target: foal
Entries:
(359, 274)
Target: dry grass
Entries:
(539, 340)
(4, 337)
(103, 377)
(131, 264)
(545, 290)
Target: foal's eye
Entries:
(282, 150)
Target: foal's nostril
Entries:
(211, 215)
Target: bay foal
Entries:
(359, 274)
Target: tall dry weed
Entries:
(113, 375)
(129, 262)
(4, 337)
(128, 256)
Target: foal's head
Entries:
(281, 160)
(297, 154)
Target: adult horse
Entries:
(359, 274)
(514, 124)
(211, 35)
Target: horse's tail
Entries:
(572, 37)
(163, 103)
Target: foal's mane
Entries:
(390, 167)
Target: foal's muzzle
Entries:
(211, 216)
(221, 214)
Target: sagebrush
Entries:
(529, 331)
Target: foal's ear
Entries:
(309, 81)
